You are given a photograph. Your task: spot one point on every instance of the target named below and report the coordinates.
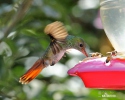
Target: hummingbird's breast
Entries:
(50, 58)
(57, 57)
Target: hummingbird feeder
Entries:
(102, 72)
(106, 72)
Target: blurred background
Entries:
(22, 42)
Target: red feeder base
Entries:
(96, 74)
(104, 80)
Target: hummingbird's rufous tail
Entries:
(32, 72)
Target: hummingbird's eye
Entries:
(81, 45)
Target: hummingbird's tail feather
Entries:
(32, 72)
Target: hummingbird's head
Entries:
(79, 44)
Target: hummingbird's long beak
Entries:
(84, 52)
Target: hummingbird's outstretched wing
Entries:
(57, 33)
(56, 30)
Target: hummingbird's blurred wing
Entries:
(56, 30)
(55, 46)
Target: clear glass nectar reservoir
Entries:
(113, 19)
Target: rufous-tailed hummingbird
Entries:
(60, 42)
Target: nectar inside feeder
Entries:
(97, 72)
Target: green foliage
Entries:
(26, 41)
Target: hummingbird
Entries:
(60, 43)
